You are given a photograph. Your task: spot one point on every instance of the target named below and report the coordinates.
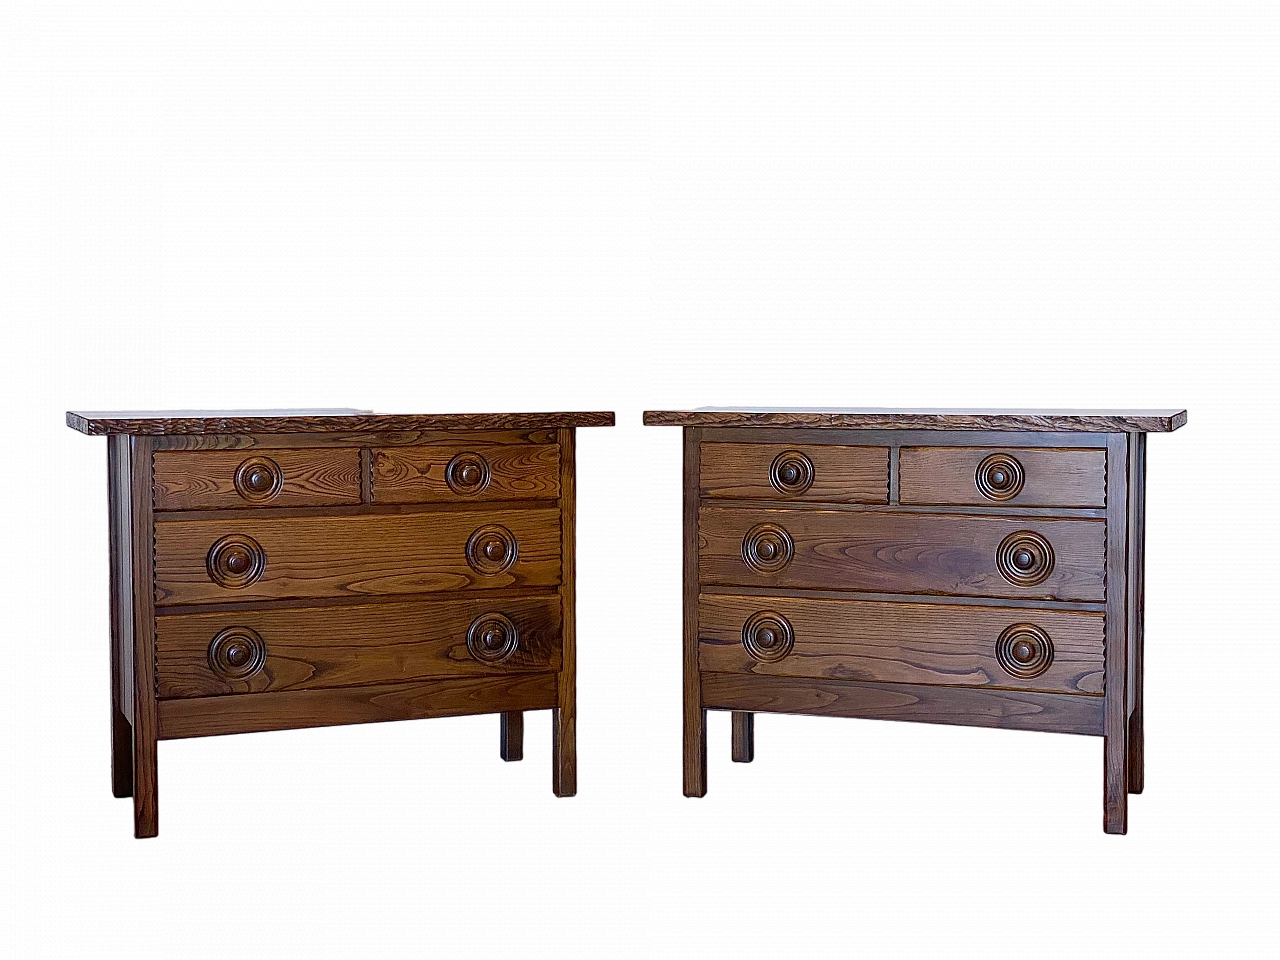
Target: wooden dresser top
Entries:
(888, 418)
(98, 423)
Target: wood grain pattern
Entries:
(413, 700)
(965, 706)
(743, 737)
(901, 553)
(206, 480)
(564, 720)
(121, 600)
(417, 474)
(167, 422)
(511, 735)
(902, 643)
(840, 473)
(146, 788)
(340, 646)
(1115, 751)
(1052, 477)
(362, 439)
(356, 555)
(881, 418)
(1137, 605)
(695, 713)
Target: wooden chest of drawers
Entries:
(982, 568)
(284, 569)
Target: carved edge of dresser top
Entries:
(173, 422)
(888, 418)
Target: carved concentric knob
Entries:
(791, 473)
(1024, 651)
(999, 477)
(467, 473)
(1024, 558)
(492, 638)
(236, 561)
(492, 549)
(767, 548)
(258, 479)
(768, 636)
(237, 653)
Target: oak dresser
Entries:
(299, 568)
(981, 568)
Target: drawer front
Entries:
(772, 471)
(211, 561)
(461, 471)
(1017, 477)
(1024, 557)
(1018, 648)
(217, 479)
(253, 651)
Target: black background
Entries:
(848, 780)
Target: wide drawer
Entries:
(266, 558)
(252, 651)
(1017, 477)
(442, 473)
(772, 471)
(217, 479)
(1018, 648)
(1025, 557)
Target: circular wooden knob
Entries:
(1024, 558)
(767, 548)
(467, 473)
(258, 479)
(492, 549)
(237, 653)
(999, 477)
(1024, 650)
(492, 638)
(236, 561)
(791, 473)
(767, 636)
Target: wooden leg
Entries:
(564, 760)
(1115, 751)
(564, 718)
(146, 725)
(511, 735)
(1137, 585)
(744, 737)
(118, 533)
(695, 749)
(695, 716)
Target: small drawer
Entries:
(270, 558)
(466, 471)
(308, 648)
(883, 552)
(217, 479)
(1016, 477)
(1019, 648)
(773, 471)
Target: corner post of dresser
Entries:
(118, 512)
(1116, 706)
(1136, 602)
(146, 817)
(695, 714)
(564, 762)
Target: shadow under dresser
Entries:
(980, 568)
(299, 568)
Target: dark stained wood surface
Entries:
(695, 713)
(120, 547)
(418, 474)
(146, 788)
(901, 553)
(966, 706)
(167, 422)
(564, 719)
(839, 473)
(1051, 478)
(356, 555)
(743, 737)
(902, 643)
(1115, 751)
(354, 644)
(413, 700)
(511, 735)
(873, 418)
(207, 479)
